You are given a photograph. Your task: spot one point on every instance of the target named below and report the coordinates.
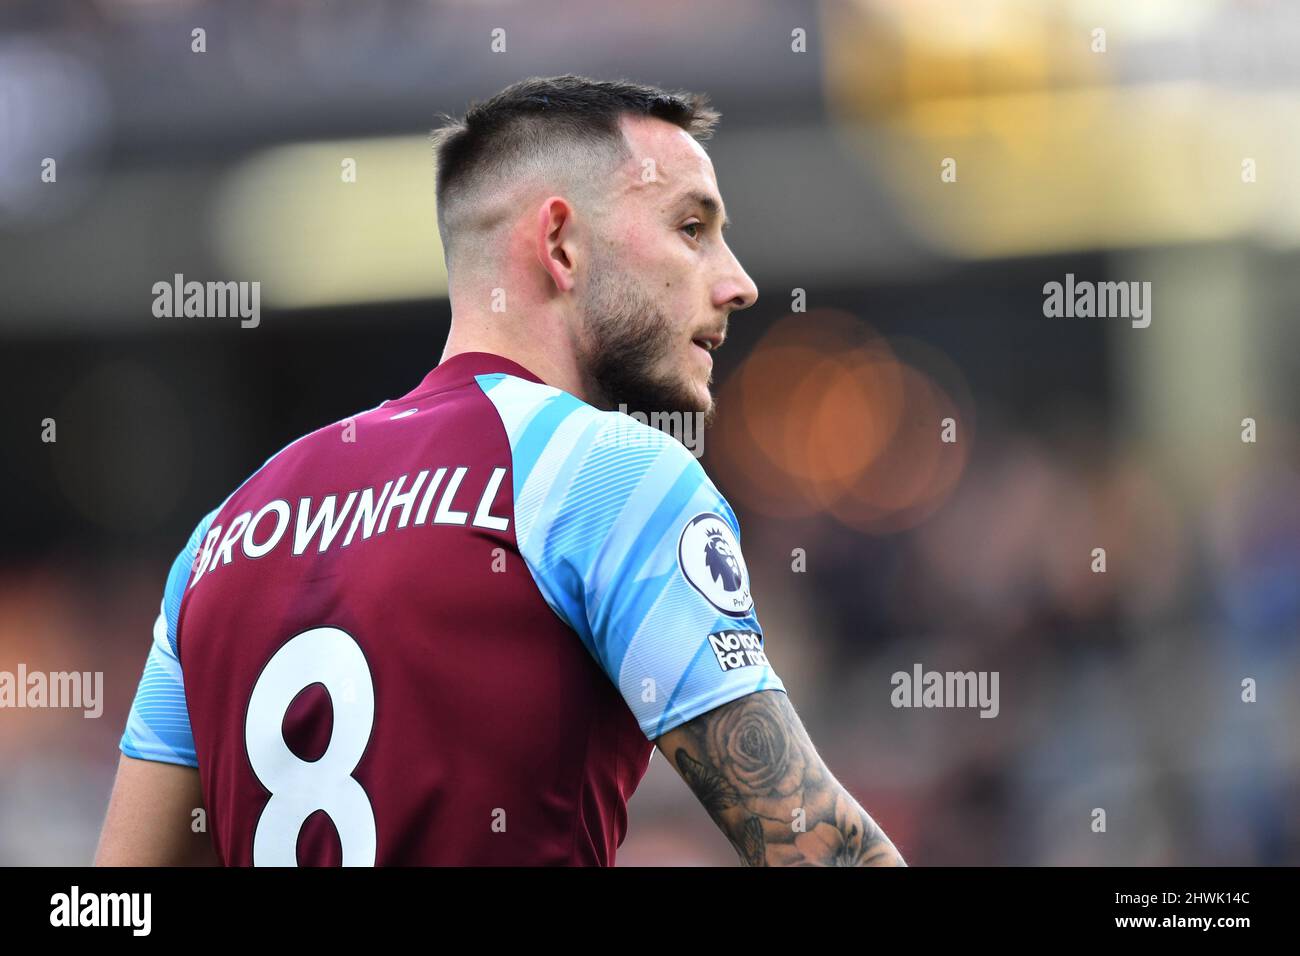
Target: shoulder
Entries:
(554, 433)
(583, 476)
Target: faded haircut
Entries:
(560, 129)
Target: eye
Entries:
(697, 226)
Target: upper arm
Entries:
(151, 812)
(151, 817)
(753, 767)
(634, 548)
(158, 727)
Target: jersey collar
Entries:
(460, 369)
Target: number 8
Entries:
(329, 656)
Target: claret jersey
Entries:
(447, 631)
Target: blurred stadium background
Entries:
(924, 300)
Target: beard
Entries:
(623, 344)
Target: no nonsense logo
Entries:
(738, 649)
(710, 559)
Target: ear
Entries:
(554, 243)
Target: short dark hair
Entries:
(549, 115)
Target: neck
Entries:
(545, 350)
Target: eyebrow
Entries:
(711, 206)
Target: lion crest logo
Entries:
(720, 561)
(710, 560)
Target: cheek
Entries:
(637, 246)
(663, 261)
(680, 289)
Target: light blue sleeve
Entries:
(634, 548)
(158, 727)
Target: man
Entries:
(452, 629)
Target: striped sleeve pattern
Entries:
(635, 549)
(158, 727)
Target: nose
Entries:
(736, 290)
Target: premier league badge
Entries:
(710, 559)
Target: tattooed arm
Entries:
(752, 765)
